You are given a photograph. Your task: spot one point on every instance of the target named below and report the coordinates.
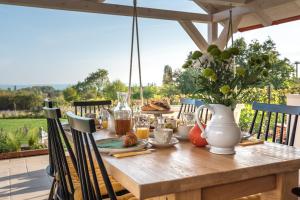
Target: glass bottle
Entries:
(122, 114)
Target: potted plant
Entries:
(220, 84)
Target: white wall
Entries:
(294, 100)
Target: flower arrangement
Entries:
(219, 81)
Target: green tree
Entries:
(185, 81)
(70, 94)
(111, 89)
(168, 75)
(281, 70)
(95, 81)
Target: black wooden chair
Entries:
(284, 114)
(83, 107)
(62, 182)
(89, 159)
(190, 105)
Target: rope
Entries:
(135, 30)
(230, 30)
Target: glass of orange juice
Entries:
(142, 126)
(104, 116)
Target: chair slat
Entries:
(268, 126)
(260, 124)
(206, 116)
(288, 130)
(253, 122)
(184, 108)
(275, 127)
(90, 158)
(294, 130)
(180, 110)
(282, 128)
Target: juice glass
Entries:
(142, 126)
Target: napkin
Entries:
(133, 153)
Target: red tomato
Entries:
(195, 136)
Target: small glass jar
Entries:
(122, 115)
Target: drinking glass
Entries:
(142, 126)
(104, 117)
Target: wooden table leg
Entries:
(189, 195)
(284, 183)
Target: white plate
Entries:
(180, 137)
(141, 145)
(159, 145)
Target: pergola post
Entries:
(212, 32)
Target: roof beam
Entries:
(194, 33)
(113, 9)
(207, 9)
(224, 2)
(261, 15)
(249, 8)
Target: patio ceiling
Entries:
(247, 14)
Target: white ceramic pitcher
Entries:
(221, 132)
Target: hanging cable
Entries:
(131, 57)
(135, 30)
(230, 28)
(230, 34)
(139, 57)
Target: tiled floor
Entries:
(24, 179)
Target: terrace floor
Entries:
(24, 178)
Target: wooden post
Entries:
(212, 32)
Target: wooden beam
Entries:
(212, 32)
(248, 8)
(104, 8)
(208, 9)
(195, 35)
(261, 14)
(263, 18)
(223, 38)
(225, 2)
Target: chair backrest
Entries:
(58, 139)
(82, 132)
(83, 107)
(281, 113)
(48, 103)
(190, 105)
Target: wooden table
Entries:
(186, 172)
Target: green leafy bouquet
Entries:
(219, 81)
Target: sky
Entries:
(43, 46)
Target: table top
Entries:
(186, 167)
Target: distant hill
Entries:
(55, 86)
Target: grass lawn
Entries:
(14, 124)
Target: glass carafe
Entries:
(122, 115)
